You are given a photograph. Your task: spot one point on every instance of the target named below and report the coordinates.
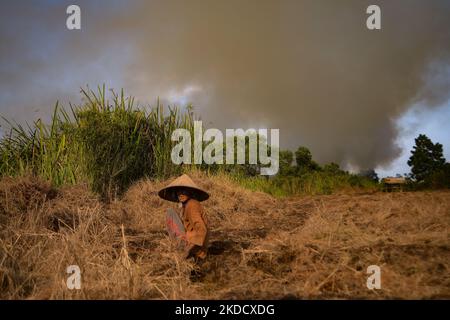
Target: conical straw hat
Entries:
(183, 182)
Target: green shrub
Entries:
(311, 183)
(107, 144)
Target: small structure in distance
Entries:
(393, 183)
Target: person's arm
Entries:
(199, 233)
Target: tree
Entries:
(332, 168)
(440, 178)
(304, 161)
(286, 160)
(426, 158)
(370, 174)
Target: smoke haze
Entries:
(310, 68)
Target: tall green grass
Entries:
(107, 143)
(50, 151)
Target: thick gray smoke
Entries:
(310, 68)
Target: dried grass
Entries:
(261, 247)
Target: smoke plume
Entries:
(310, 68)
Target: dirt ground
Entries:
(309, 247)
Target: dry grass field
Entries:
(260, 247)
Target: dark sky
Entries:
(310, 68)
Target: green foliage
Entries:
(109, 144)
(311, 183)
(286, 160)
(303, 158)
(426, 158)
(117, 143)
(306, 177)
(48, 151)
(333, 168)
(304, 161)
(439, 179)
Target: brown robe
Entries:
(195, 223)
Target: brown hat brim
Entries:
(170, 193)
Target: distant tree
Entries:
(286, 160)
(303, 157)
(439, 179)
(371, 174)
(426, 158)
(332, 168)
(304, 161)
